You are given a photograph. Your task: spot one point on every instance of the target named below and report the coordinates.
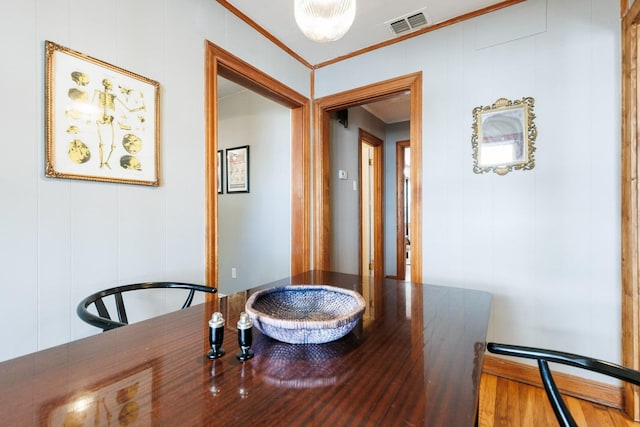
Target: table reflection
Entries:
(302, 365)
(124, 401)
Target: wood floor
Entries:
(513, 404)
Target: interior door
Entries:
(371, 209)
(366, 219)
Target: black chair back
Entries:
(104, 320)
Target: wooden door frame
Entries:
(219, 62)
(401, 244)
(322, 200)
(630, 209)
(378, 205)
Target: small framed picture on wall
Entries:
(219, 169)
(238, 170)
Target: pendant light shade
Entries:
(324, 20)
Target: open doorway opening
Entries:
(221, 63)
(323, 209)
(254, 148)
(403, 211)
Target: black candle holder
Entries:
(245, 337)
(216, 335)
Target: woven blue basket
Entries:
(305, 314)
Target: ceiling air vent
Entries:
(400, 26)
(409, 22)
(416, 21)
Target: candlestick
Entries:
(216, 335)
(245, 337)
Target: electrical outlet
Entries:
(234, 273)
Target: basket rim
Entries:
(333, 323)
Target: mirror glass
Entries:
(504, 136)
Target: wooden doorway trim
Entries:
(630, 209)
(401, 244)
(322, 201)
(378, 210)
(219, 62)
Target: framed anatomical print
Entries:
(102, 122)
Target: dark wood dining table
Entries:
(415, 359)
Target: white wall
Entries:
(345, 201)
(545, 242)
(255, 228)
(61, 240)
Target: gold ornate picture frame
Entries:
(504, 136)
(102, 122)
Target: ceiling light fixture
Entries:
(324, 20)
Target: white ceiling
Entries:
(390, 110)
(371, 27)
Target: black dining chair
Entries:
(543, 356)
(104, 321)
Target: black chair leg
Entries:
(557, 403)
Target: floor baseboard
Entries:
(571, 385)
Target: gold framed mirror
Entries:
(504, 136)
